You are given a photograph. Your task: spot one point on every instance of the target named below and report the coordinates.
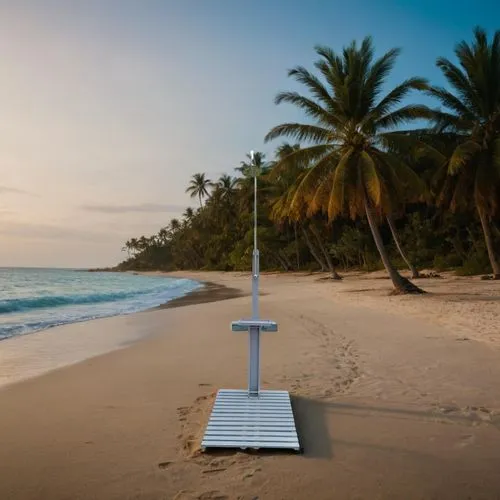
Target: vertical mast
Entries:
(255, 254)
(254, 331)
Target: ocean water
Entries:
(36, 299)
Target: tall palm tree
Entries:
(198, 187)
(471, 173)
(353, 168)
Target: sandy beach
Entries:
(395, 397)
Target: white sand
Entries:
(395, 397)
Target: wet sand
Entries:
(211, 292)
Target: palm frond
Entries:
(314, 176)
(298, 159)
(377, 75)
(395, 96)
(331, 67)
(300, 132)
(340, 185)
(403, 115)
(462, 154)
(459, 81)
(412, 185)
(371, 178)
(413, 143)
(451, 101)
(317, 89)
(311, 108)
(446, 122)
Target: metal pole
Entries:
(255, 257)
(254, 332)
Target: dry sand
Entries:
(394, 397)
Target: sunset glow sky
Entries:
(108, 107)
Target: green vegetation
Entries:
(355, 189)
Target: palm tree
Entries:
(188, 215)
(198, 187)
(175, 225)
(226, 186)
(353, 169)
(163, 235)
(471, 173)
(284, 175)
(127, 248)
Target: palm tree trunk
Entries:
(401, 285)
(411, 267)
(312, 250)
(282, 261)
(285, 259)
(199, 197)
(327, 256)
(488, 238)
(296, 245)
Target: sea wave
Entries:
(27, 303)
(25, 314)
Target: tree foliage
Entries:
(325, 199)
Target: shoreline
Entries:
(34, 354)
(211, 292)
(110, 315)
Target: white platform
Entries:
(240, 421)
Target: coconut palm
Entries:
(175, 225)
(470, 174)
(198, 187)
(284, 174)
(353, 167)
(226, 186)
(163, 236)
(188, 215)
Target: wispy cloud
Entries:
(8, 189)
(52, 232)
(141, 208)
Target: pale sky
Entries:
(108, 107)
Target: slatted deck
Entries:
(240, 421)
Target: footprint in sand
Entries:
(213, 471)
(164, 465)
(182, 411)
(212, 495)
(250, 473)
(466, 440)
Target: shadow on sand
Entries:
(312, 417)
